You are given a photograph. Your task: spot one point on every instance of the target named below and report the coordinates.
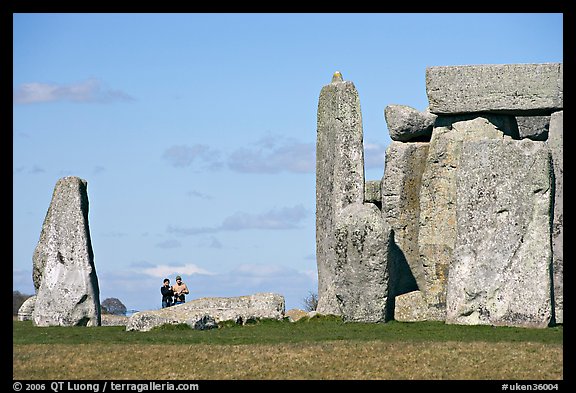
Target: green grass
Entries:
(319, 348)
(273, 332)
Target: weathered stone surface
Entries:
(530, 89)
(500, 271)
(339, 176)
(556, 145)
(372, 192)
(361, 279)
(411, 307)
(533, 127)
(114, 320)
(438, 203)
(206, 312)
(295, 314)
(401, 182)
(64, 275)
(406, 123)
(26, 309)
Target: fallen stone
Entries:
(411, 307)
(518, 89)
(295, 314)
(26, 309)
(205, 312)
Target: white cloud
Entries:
(172, 270)
(184, 156)
(88, 91)
(374, 155)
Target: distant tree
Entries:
(17, 300)
(113, 306)
(310, 302)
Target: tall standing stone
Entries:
(500, 274)
(438, 193)
(339, 176)
(556, 143)
(64, 275)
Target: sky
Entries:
(196, 133)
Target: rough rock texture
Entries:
(114, 320)
(556, 143)
(530, 89)
(295, 314)
(401, 182)
(204, 313)
(437, 225)
(64, 275)
(361, 280)
(533, 127)
(406, 123)
(411, 307)
(26, 309)
(500, 272)
(339, 176)
(372, 192)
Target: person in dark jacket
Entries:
(167, 293)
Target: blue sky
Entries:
(196, 133)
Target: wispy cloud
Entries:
(274, 154)
(171, 243)
(198, 194)
(200, 156)
(88, 91)
(274, 219)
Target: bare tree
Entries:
(310, 302)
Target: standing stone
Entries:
(401, 182)
(437, 223)
(67, 292)
(556, 145)
(361, 279)
(339, 176)
(500, 273)
(26, 309)
(530, 89)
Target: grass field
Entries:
(319, 348)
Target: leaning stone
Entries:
(64, 275)
(339, 176)
(556, 145)
(26, 309)
(411, 307)
(533, 127)
(406, 123)
(529, 89)
(361, 282)
(500, 271)
(202, 313)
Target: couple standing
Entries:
(177, 291)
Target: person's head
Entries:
(178, 279)
(166, 281)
